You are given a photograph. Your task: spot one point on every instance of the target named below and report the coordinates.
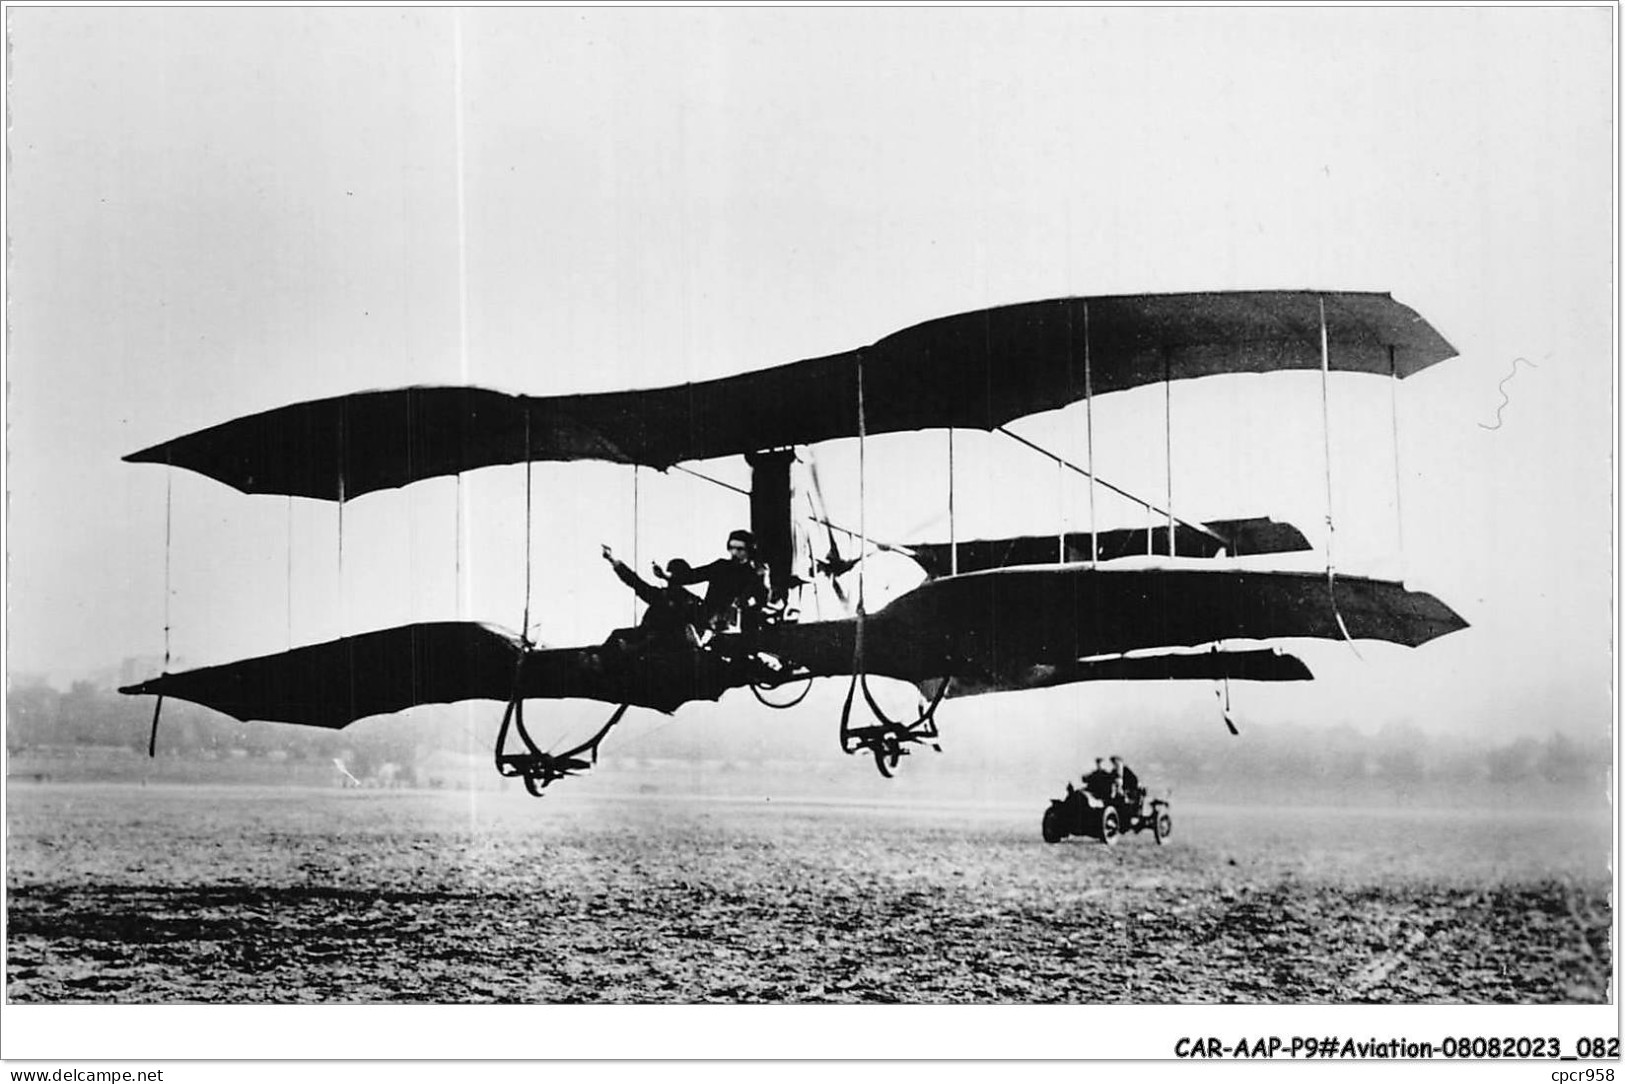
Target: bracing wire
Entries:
(1060, 510)
(635, 559)
(169, 517)
(290, 572)
(1223, 694)
(857, 638)
(341, 542)
(457, 545)
(340, 485)
(524, 627)
(1393, 414)
(863, 526)
(1326, 439)
(1152, 510)
(1168, 445)
(742, 491)
(1089, 449)
(953, 537)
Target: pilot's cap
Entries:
(676, 564)
(1117, 760)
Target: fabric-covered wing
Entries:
(994, 626)
(976, 370)
(1010, 628)
(1259, 665)
(1241, 537)
(375, 673)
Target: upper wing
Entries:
(976, 370)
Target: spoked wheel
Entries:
(1053, 832)
(1108, 825)
(1162, 825)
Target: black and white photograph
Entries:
(1100, 512)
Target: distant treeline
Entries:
(39, 716)
(1168, 752)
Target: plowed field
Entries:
(166, 894)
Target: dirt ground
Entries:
(176, 894)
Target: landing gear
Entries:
(536, 768)
(888, 740)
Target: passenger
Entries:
(1125, 784)
(673, 614)
(735, 596)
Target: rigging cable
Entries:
(863, 529)
(1152, 510)
(457, 546)
(1224, 698)
(1060, 509)
(857, 637)
(169, 516)
(887, 747)
(1168, 445)
(290, 572)
(1089, 449)
(1393, 413)
(821, 520)
(635, 564)
(714, 481)
(524, 626)
(1326, 438)
(460, 590)
(341, 547)
(953, 538)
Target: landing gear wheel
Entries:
(888, 751)
(1053, 833)
(1108, 826)
(1162, 825)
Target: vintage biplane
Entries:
(1130, 604)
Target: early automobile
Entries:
(1081, 813)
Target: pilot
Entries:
(737, 584)
(1125, 784)
(1099, 781)
(735, 593)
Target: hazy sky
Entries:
(217, 212)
